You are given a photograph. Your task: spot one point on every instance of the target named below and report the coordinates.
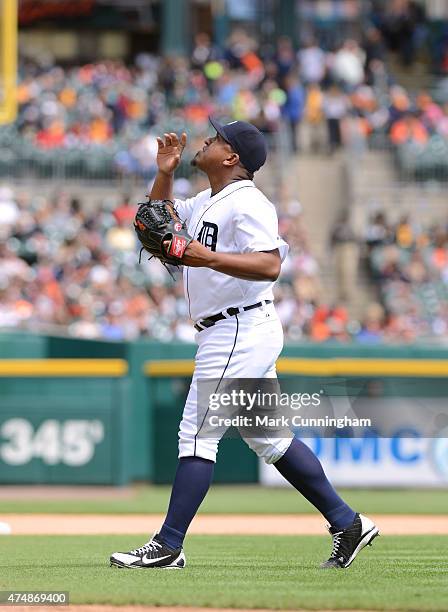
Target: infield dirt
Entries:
(212, 524)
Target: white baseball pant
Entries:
(243, 346)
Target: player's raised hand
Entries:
(170, 151)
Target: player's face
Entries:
(212, 154)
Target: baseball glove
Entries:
(161, 232)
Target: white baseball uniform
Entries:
(238, 219)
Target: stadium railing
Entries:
(413, 162)
(22, 160)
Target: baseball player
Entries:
(229, 271)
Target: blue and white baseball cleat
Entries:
(153, 554)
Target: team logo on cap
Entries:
(178, 226)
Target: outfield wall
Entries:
(97, 412)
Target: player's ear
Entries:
(232, 159)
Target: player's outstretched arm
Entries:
(168, 158)
(259, 266)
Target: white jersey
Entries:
(238, 219)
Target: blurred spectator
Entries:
(203, 50)
(313, 131)
(312, 63)
(292, 109)
(121, 237)
(378, 231)
(400, 103)
(345, 247)
(335, 109)
(442, 125)
(403, 27)
(409, 129)
(9, 212)
(372, 326)
(125, 212)
(239, 46)
(404, 234)
(347, 65)
(329, 323)
(373, 48)
(285, 58)
(431, 113)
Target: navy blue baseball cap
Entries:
(246, 140)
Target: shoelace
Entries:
(152, 545)
(336, 544)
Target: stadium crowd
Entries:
(66, 269)
(318, 98)
(409, 263)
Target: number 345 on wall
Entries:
(71, 442)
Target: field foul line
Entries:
(215, 524)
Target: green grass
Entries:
(397, 573)
(241, 499)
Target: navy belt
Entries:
(230, 312)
